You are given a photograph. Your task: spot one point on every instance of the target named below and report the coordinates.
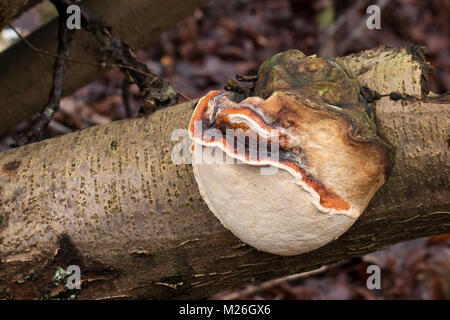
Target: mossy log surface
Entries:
(110, 199)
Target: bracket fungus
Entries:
(304, 118)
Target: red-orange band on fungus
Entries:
(328, 199)
(249, 113)
(201, 108)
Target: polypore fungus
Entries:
(305, 119)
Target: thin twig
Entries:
(87, 62)
(359, 29)
(126, 84)
(68, 58)
(252, 289)
(41, 121)
(243, 78)
(154, 91)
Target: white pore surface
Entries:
(269, 212)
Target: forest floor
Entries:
(232, 37)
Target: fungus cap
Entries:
(327, 172)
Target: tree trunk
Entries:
(25, 76)
(110, 200)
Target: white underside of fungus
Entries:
(324, 181)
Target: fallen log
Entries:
(110, 200)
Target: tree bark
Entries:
(26, 77)
(110, 200)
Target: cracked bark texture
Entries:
(110, 199)
(136, 22)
